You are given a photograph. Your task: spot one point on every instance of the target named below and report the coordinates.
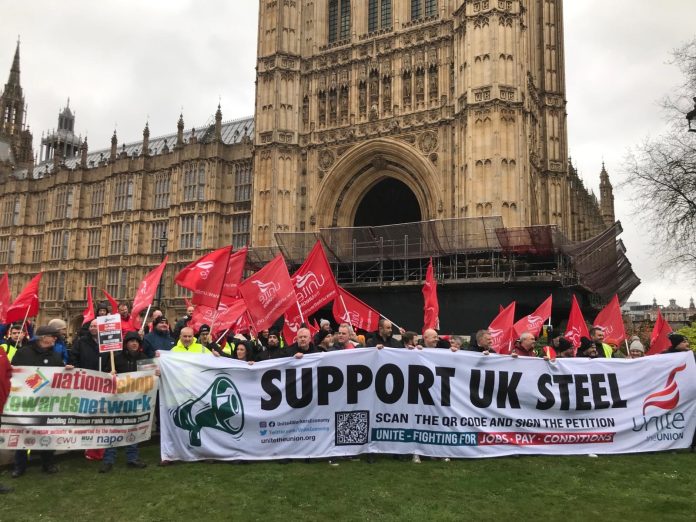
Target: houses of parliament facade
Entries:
(368, 112)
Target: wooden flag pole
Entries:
(24, 321)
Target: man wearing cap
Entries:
(61, 347)
(159, 339)
(205, 338)
(38, 353)
(13, 341)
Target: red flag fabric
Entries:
(659, 342)
(215, 274)
(226, 316)
(112, 302)
(268, 293)
(577, 327)
(88, 314)
(27, 300)
(147, 289)
(611, 321)
(187, 302)
(431, 308)
(315, 287)
(534, 322)
(5, 297)
(349, 309)
(502, 330)
(290, 330)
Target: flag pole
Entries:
(24, 321)
(299, 309)
(147, 312)
(222, 336)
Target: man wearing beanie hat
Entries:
(588, 348)
(159, 338)
(679, 343)
(565, 348)
(205, 338)
(61, 347)
(323, 341)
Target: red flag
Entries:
(502, 330)
(659, 342)
(315, 287)
(431, 308)
(27, 301)
(147, 289)
(268, 293)
(534, 322)
(88, 314)
(112, 302)
(577, 327)
(5, 297)
(290, 330)
(215, 274)
(187, 302)
(226, 316)
(611, 321)
(349, 309)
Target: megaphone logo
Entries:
(220, 408)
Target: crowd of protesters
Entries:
(48, 346)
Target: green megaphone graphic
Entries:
(220, 408)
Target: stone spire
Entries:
(12, 105)
(83, 154)
(114, 145)
(146, 139)
(606, 194)
(180, 131)
(218, 124)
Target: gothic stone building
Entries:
(367, 112)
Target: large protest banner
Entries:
(54, 408)
(431, 402)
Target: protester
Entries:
(128, 322)
(126, 361)
(324, 327)
(181, 323)
(597, 336)
(679, 343)
(483, 343)
(432, 340)
(636, 350)
(323, 341)
(589, 348)
(564, 348)
(5, 384)
(302, 344)
(14, 341)
(205, 339)
(38, 353)
(525, 346)
(456, 340)
(102, 310)
(342, 339)
(243, 352)
(187, 343)
(276, 348)
(410, 340)
(383, 337)
(62, 347)
(159, 339)
(85, 352)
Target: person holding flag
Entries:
(13, 342)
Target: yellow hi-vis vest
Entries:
(10, 350)
(193, 348)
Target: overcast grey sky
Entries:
(123, 62)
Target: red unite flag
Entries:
(112, 301)
(577, 327)
(315, 287)
(268, 293)
(5, 297)
(502, 330)
(659, 342)
(431, 308)
(225, 317)
(349, 309)
(147, 289)
(215, 274)
(27, 302)
(290, 330)
(611, 321)
(88, 314)
(534, 322)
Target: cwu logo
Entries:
(220, 408)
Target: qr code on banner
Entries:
(352, 427)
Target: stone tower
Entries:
(382, 111)
(606, 197)
(63, 140)
(13, 130)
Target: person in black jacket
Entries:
(38, 353)
(302, 344)
(159, 338)
(383, 338)
(126, 361)
(85, 352)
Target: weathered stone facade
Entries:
(463, 101)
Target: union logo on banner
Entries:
(668, 397)
(36, 381)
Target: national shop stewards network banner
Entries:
(430, 402)
(54, 408)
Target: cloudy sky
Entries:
(125, 62)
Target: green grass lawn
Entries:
(631, 487)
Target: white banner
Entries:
(54, 408)
(431, 402)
